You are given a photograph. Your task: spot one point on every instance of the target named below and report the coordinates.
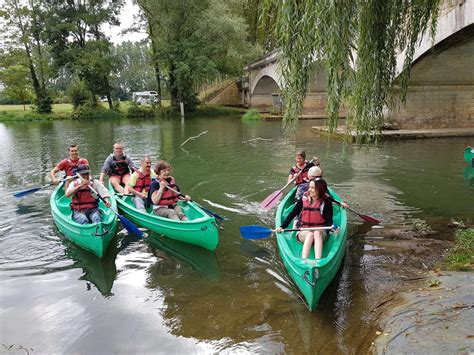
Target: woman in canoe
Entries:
(314, 210)
(300, 170)
(140, 182)
(162, 196)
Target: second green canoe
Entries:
(311, 276)
(200, 229)
(469, 155)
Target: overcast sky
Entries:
(126, 20)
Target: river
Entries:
(156, 295)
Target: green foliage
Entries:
(196, 41)
(358, 42)
(252, 115)
(17, 84)
(140, 111)
(78, 92)
(91, 112)
(461, 255)
(134, 69)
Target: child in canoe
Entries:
(314, 210)
(299, 172)
(161, 195)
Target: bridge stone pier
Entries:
(441, 85)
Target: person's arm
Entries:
(156, 195)
(73, 188)
(131, 165)
(102, 191)
(105, 168)
(52, 174)
(294, 212)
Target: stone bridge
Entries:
(441, 85)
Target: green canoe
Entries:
(469, 155)
(200, 229)
(93, 237)
(311, 276)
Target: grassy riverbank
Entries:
(17, 113)
(461, 255)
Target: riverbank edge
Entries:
(145, 112)
(434, 316)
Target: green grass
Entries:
(252, 115)
(461, 256)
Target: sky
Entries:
(126, 20)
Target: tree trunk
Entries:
(154, 54)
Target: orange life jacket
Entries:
(312, 213)
(83, 199)
(143, 182)
(169, 197)
(302, 177)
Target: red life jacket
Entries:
(83, 199)
(312, 213)
(143, 182)
(71, 165)
(119, 166)
(302, 177)
(169, 197)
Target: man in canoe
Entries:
(163, 194)
(299, 172)
(139, 183)
(117, 166)
(84, 205)
(68, 165)
(314, 210)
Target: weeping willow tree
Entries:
(358, 42)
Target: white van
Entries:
(145, 97)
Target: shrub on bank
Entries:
(87, 112)
(461, 256)
(140, 111)
(252, 115)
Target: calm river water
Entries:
(156, 295)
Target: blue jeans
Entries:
(91, 215)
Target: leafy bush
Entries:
(461, 256)
(140, 111)
(252, 115)
(89, 112)
(78, 92)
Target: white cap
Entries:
(314, 172)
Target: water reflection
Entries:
(172, 251)
(99, 272)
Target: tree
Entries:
(135, 71)
(21, 29)
(197, 41)
(73, 30)
(358, 42)
(17, 83)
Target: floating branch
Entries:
(258, 139)
(200, 134)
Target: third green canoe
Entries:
(311, 276)
(200, 229)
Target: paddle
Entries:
(34, 189)
(260, 232)
(272, 200)
(210, 213)
(127, 224)
(363, 216)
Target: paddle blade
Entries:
(271, 201)
(255, 232)
(129, 226)
(369, 219)
(26, 192)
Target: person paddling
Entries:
(139, 183)
(117, 166)
(314, 210)
(84, 205)
(301, 168)
(68, 165)
(164, 200)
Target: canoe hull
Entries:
(200, 230)
(94, 237)
(310, 276)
